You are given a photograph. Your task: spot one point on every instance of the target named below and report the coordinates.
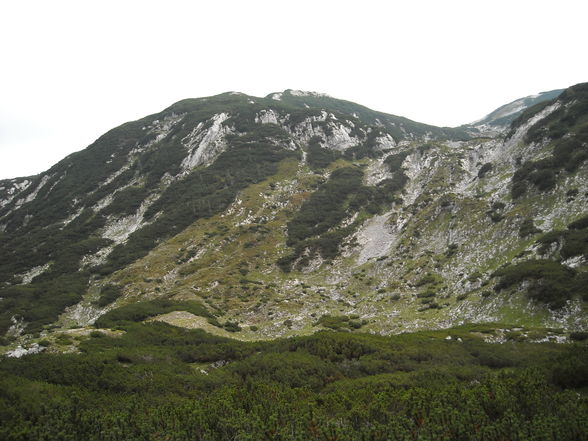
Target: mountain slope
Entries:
(282, 215)
(500, 119)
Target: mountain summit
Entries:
(263, 217)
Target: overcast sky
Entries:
(71, 70)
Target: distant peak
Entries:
(306, 93)
(297, 93)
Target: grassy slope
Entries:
(228, 261)
(233, 269)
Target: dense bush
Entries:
(40, 303)
(108, 294)
(339, 322)
(579, 224)
(160, 382)
(527, 115)
(573, 241)
(485, 169)
(203, 193)
(528, 228)
(327, 206)
(550, 281)
(319, 157)
(571, 114)
(232, 327)
(126, 201)
(62, 284)
(323, 210)
(569, 151)
(316, 229)
(139, 311)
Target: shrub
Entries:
(571, 369)
(484, 170)
(568, 152)
(137, 312)
(338, 322)
(551, 281)
(232, 327)
(319, 157)
(108, 294)
(579, 224)
(426, 294)
(579, 336)
(201, 194)
(428, 279)
(574, 241)
(527, 228)
(451, 250)
(64, 339)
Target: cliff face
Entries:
(285, 214)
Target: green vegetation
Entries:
(108, 294)
(315, 228)
(570, 116)
(542, 174)
(327, 206)
(496, 212)
(395, 125)
(484, 170)
(324, 210)
(203, 193)
(550, 282)
(429, 279)
(573, 241)
(35, 234)
(569, 151)
(528, 228)
(61, 285)
(527, 114)
(451, 250)
(160, 382)
(232, 327)
(399, 178)
(339, 322)
(39, 304)
(579, 336)
(139, 311)
(77, 176)
(579, 224)
(319, 157)
(127, 201)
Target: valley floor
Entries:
(158, 382)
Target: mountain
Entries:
(263, 217)
(500, 119)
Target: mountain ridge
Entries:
(312, 94)
(281, 217)
(500, 118)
